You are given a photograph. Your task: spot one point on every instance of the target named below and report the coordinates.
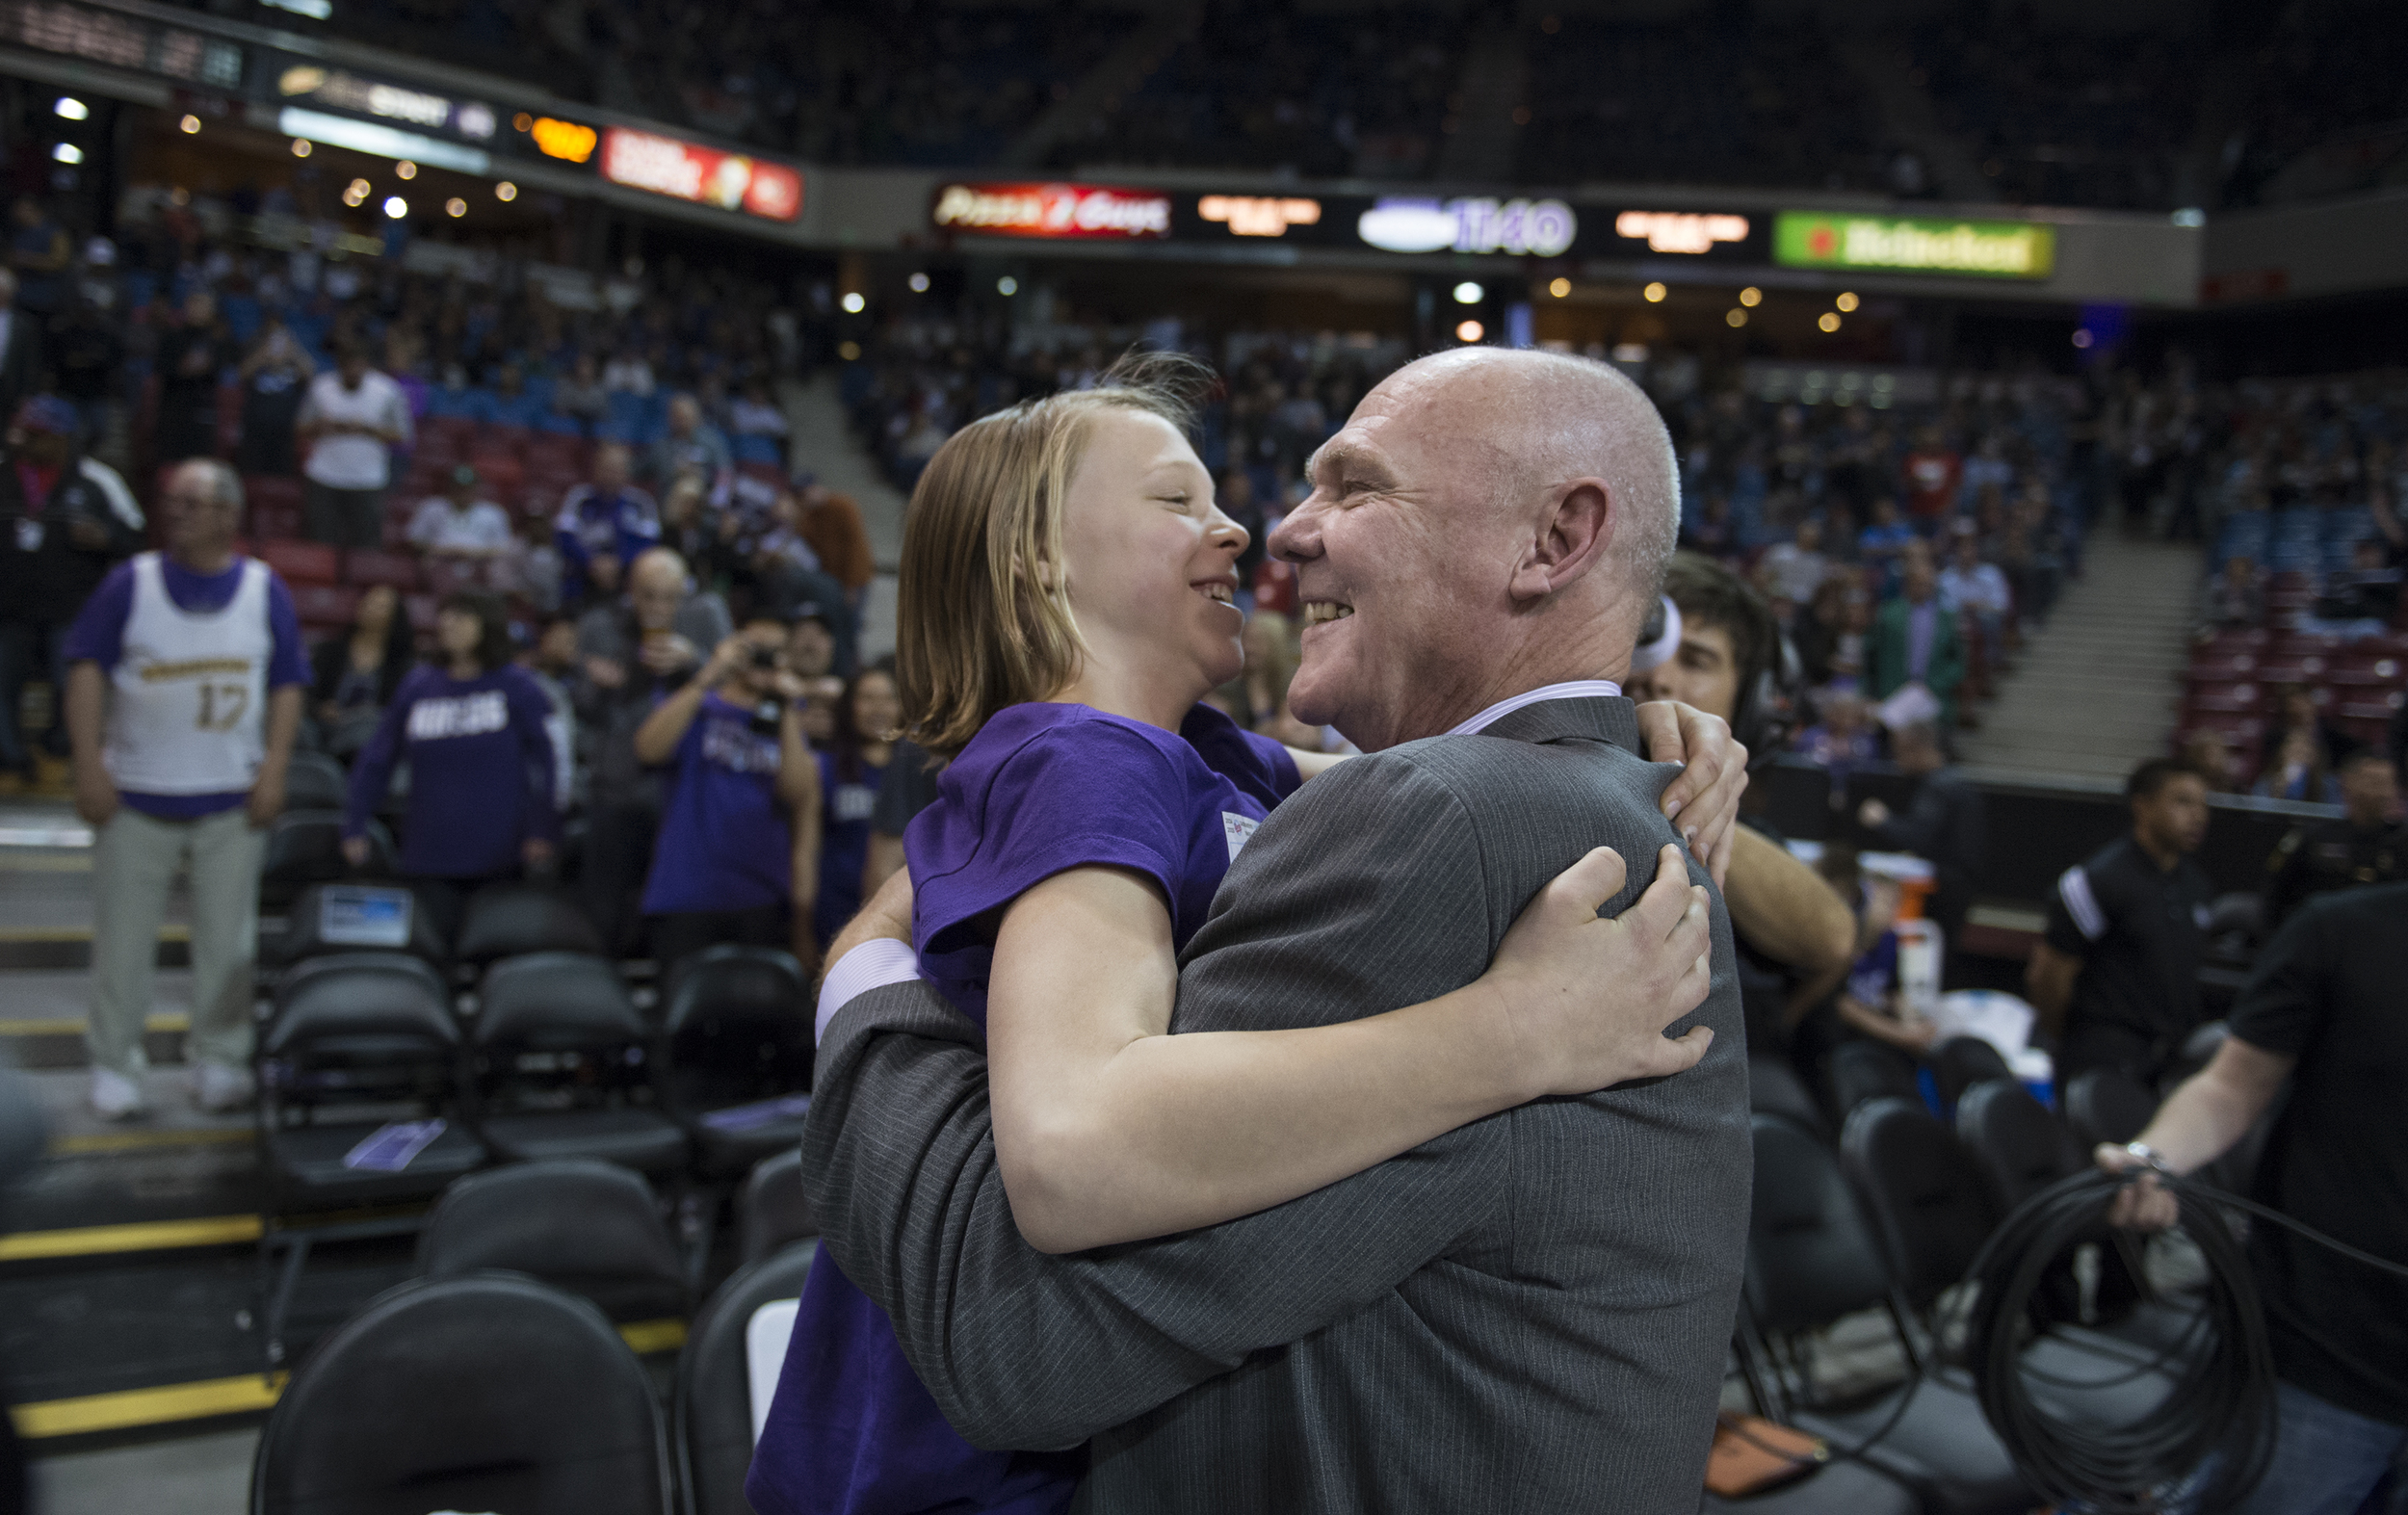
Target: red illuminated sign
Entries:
(704, 176)
(1085, 211)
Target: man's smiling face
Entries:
(1403, 557)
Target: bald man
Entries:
(1529, 1313)
(630, 654)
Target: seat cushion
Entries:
(737, 1151)
(310, 1159)
(636, 1138)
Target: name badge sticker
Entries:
(1238, 831)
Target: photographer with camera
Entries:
(742, 787)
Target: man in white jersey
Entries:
(184, 690)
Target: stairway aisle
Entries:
(820, 441)
(2095, 692)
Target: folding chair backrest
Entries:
(547, 1001)
(1811, 1256)
(592, 1228)
(1774, 1089)
(486, 1393)
(1960, 1062)
(2021, 1147)
(1863, 1070)
(1929, 1201)
(720, 1399)
(771, 1210)
(509, 920)
(2103, 1105)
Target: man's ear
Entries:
(1574, 533)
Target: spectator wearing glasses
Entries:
(184, 693)
(741, 788)
(476, 730)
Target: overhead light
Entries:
(455, 207)
(1654, 293)
(1734, 316)
(850, 352)
(405, 169)
(356, 193)
(1006, 286)
(1470, 331)
(1468, 293)
(2190, 216)
(67, 152)
(190, 124)
(2083, 337)
(314, 9)
(70, 109)
(1560, 288)
(1752, 297)
(300, 147)
(1846, 302)
(853, 304)
(506, 191)
(919, 284)
(395, 207)
(1829, 321)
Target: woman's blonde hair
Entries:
(985, 616)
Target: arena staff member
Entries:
(476, 731)
(1797, 936)
(2116, 975)
(2365, 846)
(184, 691)
(1532, 1310)
(722, 869)
(2321, 1011)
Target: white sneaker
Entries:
(218, 1089)
(117, 1097)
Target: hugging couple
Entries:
(1421, 1208)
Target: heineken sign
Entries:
(1992, 248)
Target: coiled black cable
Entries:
(2206, 1445)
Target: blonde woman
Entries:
(1068, 597)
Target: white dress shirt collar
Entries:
(1577, 688)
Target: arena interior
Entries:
(2036, 376)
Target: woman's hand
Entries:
(1704, 802)
(1585, 1000)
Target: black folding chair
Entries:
(315, 781)
(771, 1210)
(306, 846)
(565, 1067)
(1812, 1259)
(2104, 1106)
(737, 1025)
(1960, 1062)
(1857, 1071)
(359, 1106)
(717, 1405)
(510, 919)
(1774, 1089)
(486, 1392)
(589, 1227)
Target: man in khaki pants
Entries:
(184, 690)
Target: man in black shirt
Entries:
(2366, 846)
(2323, 1011)
(2117, 975)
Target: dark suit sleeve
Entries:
(1021, 1350)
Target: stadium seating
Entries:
(306, 846)
(2104, 1106)
(334, 918)
(2019, 1146)
(484, 1392)
(717, 1404)
(588, 1227)
(508, 920)
(315, 781)
(1857, 1071)
(565, 1067)
(737, 1029)
(771, 1210)
(1773, 1087)
(1960, 1062)
(1812, 1259)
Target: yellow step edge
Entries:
(144, 1141)
(132, 1407)
(174, 931)
(73, 1026)
(214, 1397)
(147, 1235)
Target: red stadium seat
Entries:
(302, 563)
(363, 568)
(2220, 667)
(2366, 670)
(2226, 699)
(325, 607)
(2279, 669)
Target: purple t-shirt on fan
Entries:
(1042, 789)
(480, 770)
(98, 636)
(725, 842)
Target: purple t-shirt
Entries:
(480, 770)
(98, 636)
(725, 842)
(1042, 789)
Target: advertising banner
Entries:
(704, 176)
(1053, 212)
(1987, 248)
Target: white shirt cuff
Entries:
(872, 965)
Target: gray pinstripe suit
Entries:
(1529, 1313)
